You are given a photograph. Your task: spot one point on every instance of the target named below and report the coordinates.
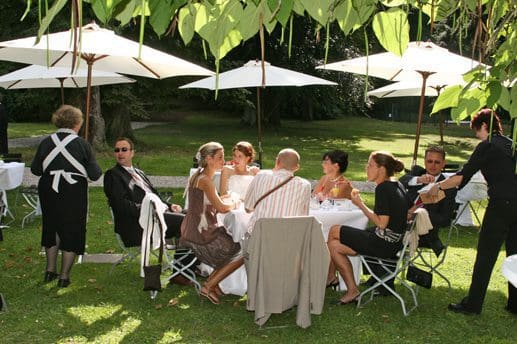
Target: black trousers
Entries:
(499, 225)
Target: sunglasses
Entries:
(123, 149)
(437, 162)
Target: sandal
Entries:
(334, 284)
(211, 296)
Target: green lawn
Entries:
(167, 149)
(103, 308)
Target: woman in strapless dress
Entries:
(236, 178)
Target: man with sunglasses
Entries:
(440, 213)
(126, 187)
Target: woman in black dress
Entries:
(389, 216)
(65, 162)
(496, 159)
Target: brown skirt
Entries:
(217, 253)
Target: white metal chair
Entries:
(31, 197)
(128, 253)
(390, 269)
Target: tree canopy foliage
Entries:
(225, 24)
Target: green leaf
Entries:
(124, 11)
(104, 9)
(186, 24)
(394, 3)
(298, 7)
(350, 15)
(504, 99)
(493, 90)
(319, 10)
(249, 23)
(269, 21)
(392, 29)
(513, 107)
(469, 104)
(162, 12)
(285, 12)
(57, 6)
(448, 98)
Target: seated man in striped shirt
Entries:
(278, 193)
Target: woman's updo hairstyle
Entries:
(245, 148)
(486, 116)
(206, 150)
(390, 163)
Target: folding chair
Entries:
(180, 262)
(31, 197)
(128, 253)
(390, 268)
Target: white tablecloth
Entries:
(11, 175)
(236, 222)
(475, 190)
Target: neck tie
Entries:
(139, 180)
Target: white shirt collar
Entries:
(66, 130)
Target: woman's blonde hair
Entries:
(206, 150)
(67, 116)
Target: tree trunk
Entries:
(97, 127)
(121, 126)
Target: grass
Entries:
(103, 308)
(168, 149)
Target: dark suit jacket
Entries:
(440, 213)
(125, 198)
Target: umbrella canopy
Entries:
(53, 77)
(413, 89)
(100, 49)
(252, 75)
(422, 62)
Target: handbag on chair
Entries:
(419, 276)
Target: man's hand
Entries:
(175, 208)
(425, 179)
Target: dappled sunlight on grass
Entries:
(171, 336)
(90, 314)
(117, 334)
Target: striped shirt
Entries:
(292, 199)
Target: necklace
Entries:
(335, 179)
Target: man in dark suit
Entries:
(440, 213)
(125, 187)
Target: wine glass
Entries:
(334, 191)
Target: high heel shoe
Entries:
(49, 276)
(334, 284)
(63, 283)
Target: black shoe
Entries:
(49, 276)
(63, 283)
(461, 308)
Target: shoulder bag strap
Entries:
(272, 190)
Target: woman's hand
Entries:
(433, 191)
(355, 197)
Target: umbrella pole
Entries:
(88, 95)
(425, 75)
(259, 128)
(61, 80)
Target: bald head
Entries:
(288, 159)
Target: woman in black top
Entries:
(389, 216)
(495, 157)
(65, 162)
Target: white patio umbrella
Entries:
(414, 89)
(251, 75)
(54, 77)
(422, 62)
(100, 49)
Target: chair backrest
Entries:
(285, 257)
